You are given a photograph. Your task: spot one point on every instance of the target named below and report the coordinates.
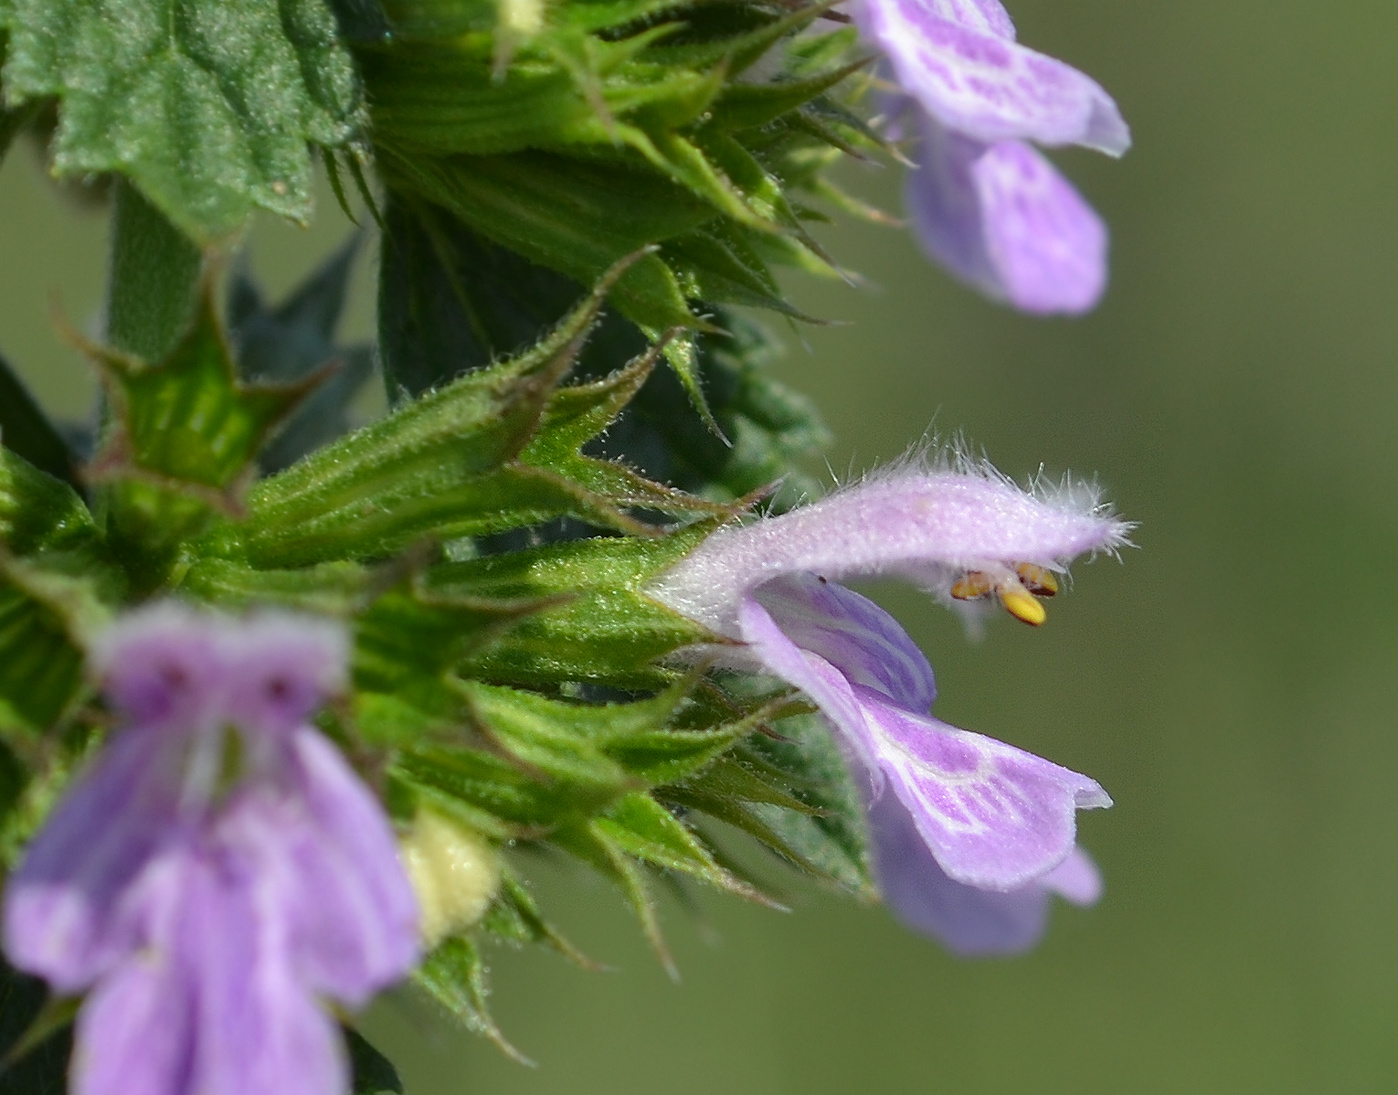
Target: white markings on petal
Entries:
(993, 815)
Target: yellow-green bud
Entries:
(455, 872)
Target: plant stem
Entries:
(153, 278)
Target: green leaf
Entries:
(542, 765)
(409, 638)
(743, 106)
(497, 796)
(424, 468)
(455, 976)
(371, 1073)
(642, 828)
(584, 842)
(14, 781)
(329, 589)
(207, 105)
(295, 342)
(772, 429)
(610, 748)
(557, 741)
(469, 459)
(154, 280)
(451, 301)
(563, 213)
(26, 431)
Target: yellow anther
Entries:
(1038, 580)
(976, 584)
(1020, 603)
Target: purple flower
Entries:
(983, 202)
(970, 834)
(217, 871)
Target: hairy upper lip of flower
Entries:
(949, 525)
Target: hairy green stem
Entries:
(153, 279)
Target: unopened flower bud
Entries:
(455, 873)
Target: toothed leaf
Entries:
(207, 105)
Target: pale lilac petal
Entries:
(259, 1027)
(1004, 220)
(210, 906)
(981, 84)
(161, 665)
(206, 1008)
(353, 913)
(988, 16)
(853, 634)
(282, 667)
(994, 816)
(65, 916)
(967, 921)
(947, 213)
(771, 650)
(134, 1034)
(927, 525)
(1076, 879)
(1047, 245)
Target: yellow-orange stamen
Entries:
(1020, 604)
(1017, 590)
(1038, 580)
(977, 583)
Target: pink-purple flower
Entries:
(983, 201)
(970, 834)
(219, 870)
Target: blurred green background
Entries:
(1233, 684)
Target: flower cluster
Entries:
(983, 201)
(217, 871)
(970, 835)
